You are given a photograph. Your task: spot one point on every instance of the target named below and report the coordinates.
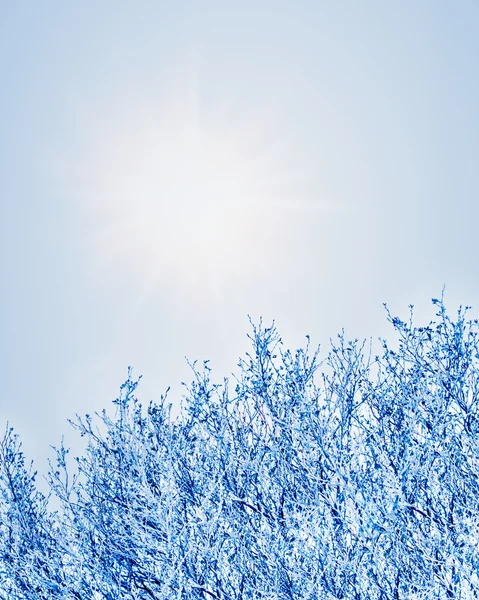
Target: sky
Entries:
(169, 168)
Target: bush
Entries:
(352, 478)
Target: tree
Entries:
(351, 478)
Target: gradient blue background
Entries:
(377, 101)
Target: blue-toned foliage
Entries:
(354, 478)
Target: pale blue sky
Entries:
(167, 168)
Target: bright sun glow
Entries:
(185, 197)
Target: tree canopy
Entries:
(352, 477)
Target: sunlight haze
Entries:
(169, 168)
